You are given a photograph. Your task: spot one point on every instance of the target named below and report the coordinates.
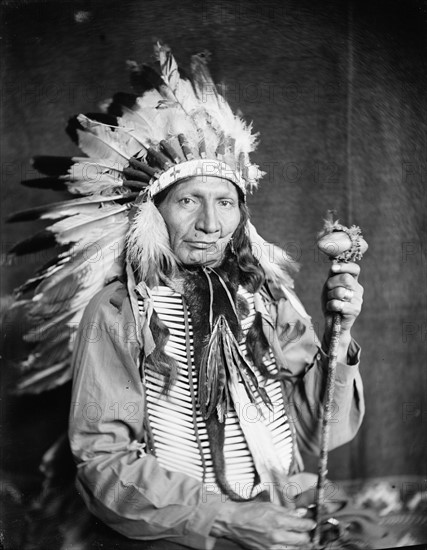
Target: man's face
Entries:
(201, 215)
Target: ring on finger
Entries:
(348, 295)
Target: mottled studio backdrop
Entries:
(336, 90)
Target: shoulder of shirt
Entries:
(277, 291)
(113, 296)
(285, 293)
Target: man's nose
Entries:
(207, 220)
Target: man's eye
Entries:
(226, 203)
(186, 201)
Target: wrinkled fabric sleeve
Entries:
(121, 484)
(305, 359)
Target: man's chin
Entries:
(204, 260)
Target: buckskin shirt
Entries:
(144, 464)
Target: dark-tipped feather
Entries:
(120, 100)
(136, 184)
(41, 274)
(46, 329)
(40, 241)
(74, 124)
(136, 175)
(49, 353)
(159, 158)
(142, 166)
(46, 183)
(38, 211)
(51, 166)
(173, 153)
(104, 118)
(47, 379)
(143, 78)
(71, 129)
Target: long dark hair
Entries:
(252, 276)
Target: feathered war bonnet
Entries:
(186, 129)
(173, 127)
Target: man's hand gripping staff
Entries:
(342, 297)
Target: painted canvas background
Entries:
(337, 92)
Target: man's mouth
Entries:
(201, 245)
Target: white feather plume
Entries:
(100, 140)
(86, 228)
(148, 245)
(145, 122)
